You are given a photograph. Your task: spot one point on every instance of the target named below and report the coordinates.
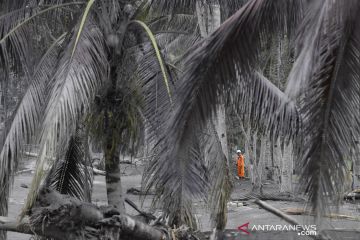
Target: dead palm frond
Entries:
(329, 100)
(26, 119)
(157, 101)
(180, 181)
(71, 174)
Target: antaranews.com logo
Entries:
(302, 230)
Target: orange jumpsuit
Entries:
(241, 166)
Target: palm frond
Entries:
(149, 75)
(329, 106)
(184, 170)
(178, 6)
(268, 108)
(176, 176)
(26, 120)
(26, 19)
(173, 7)
(108, 12)
(14, 45)
(178, 23)
(77, 78)
(158, 54)
(82, 24)
(179, 181)
(16, 29)
(215, 64)
(229, 7)
(8, 5)
(312, 23)
(71, 174)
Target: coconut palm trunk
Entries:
(113, 179)
(112, 153)
(112, 150)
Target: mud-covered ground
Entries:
(239, 211)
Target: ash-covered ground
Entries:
(241, 209)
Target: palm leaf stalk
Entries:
(156, 77)
(158, 54)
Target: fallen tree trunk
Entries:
(280, 214)
(276, 212)
(98, 172)
(59, 216)
(15, 226)
(300, 211)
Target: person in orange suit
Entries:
(240, 165)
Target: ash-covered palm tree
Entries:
(89, 48)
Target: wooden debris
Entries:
(285, 217)
(300, 211)
(59, 216)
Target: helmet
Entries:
(238, 151)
